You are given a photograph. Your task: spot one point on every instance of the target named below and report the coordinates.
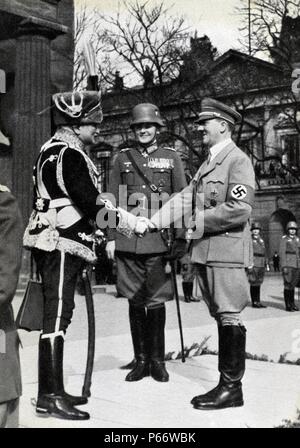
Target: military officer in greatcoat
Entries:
(220, 197)
(256, 272)
(10, 261)
(142, 176)
(61, 235)
(289, 251)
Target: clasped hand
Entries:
(142, 226)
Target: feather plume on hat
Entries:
(89, 58)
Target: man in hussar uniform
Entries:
(256, 272)
(149, 172)
(289, 252)
(220, 197)
(61, 235)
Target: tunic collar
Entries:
(68, 135)
(145, 151)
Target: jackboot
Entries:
(138, 322)
(292, 300)
(131, 365)
(156, 319)
(228, 393)
(186, 292)
(255, 297)
(52, 398)
(192, 298)
(286, 294)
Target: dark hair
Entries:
(230, 126)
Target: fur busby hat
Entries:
(77, 108)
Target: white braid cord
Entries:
(127, 221)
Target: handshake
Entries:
(130, 224)
(144, 225)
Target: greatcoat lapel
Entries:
(208, 167)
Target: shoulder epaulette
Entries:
(125, 149)
(4, 189)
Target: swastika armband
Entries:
(240, 192)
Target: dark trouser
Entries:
(255, 293)
(289, 299)
(142, 279)
(187, 290)
(59, 272)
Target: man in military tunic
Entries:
(221, 197)
(10, 261)
(256, 272)
(149, 172)
(61, 235)
(289, 252)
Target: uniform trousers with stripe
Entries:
(59, 272)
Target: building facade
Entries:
(36, 60)
(269, 133)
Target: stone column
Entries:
(32, 104)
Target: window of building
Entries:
(101, 161)
(290, 145)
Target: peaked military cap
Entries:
(211, 108)
(255, 225)
(77, 108)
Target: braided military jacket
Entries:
(65, 196)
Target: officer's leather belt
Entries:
(43, 204)
(223, 232)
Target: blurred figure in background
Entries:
(290, 264)
(256, 272)
(276, 262)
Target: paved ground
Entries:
(271, 389)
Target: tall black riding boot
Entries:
(156, 319)
(138, 322)
(131, 365)
(255, 297)
(186, 291)
(286, 293)
(292, 300)
(228, 393)
(52, 398)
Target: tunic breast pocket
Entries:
(214, 191)
(127, 177)
(162, 179)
